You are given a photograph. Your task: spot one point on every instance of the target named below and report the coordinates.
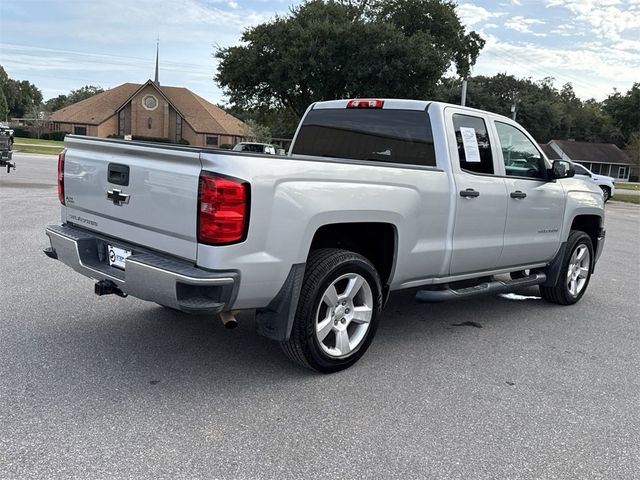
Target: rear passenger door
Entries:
(535, 206)
(480, 193)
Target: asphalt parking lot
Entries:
(101, 387)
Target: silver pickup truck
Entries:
(374, 196)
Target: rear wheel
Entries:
(338, 310)
(575, 272)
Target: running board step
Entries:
(486, 288)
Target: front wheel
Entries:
(575, 272)
(606, 192)
(338, 310)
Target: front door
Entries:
(481, 196)
(535, 207)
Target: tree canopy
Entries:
(545, 111)
(74, 96)
(20, 96)
(326, 49)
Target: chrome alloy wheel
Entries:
(344, 315)
(578, 269)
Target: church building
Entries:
(154, 112)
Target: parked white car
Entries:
(607, 184)
(253, 147)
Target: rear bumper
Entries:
(169, 281)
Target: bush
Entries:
(226, 146)
(115, 135)
(151, 139)
(22, 132)
(182, 141)
(57, 135)
(44, 136)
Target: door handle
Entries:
(518, 194)
(469, 193)
(118, 174)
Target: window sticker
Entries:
(470, 142)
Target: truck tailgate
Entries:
(161, 182)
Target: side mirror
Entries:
(561, 169)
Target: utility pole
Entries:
(463, 99)
(514, 105)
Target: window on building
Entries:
(79, 130)
(212, 140)
(596, 168)
(178, 127)
(121, 123)
(474, 147)
(622, 172)
(521, 157)
(150, 102)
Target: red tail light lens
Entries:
(61, 176)
(222, 209)
(365, 103)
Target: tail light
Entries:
(61, 176)
(222, 209)
(365, 103)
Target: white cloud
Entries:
(608, 18)
(471, 14)
(594, 69)
(522, 24)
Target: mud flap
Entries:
(276, 320)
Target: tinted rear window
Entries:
(395, 136)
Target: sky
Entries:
(61, 45)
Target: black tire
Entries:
(324, 267)
(560, 293)
(606, 192)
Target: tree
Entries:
(20, 96)
(83, 93)
(4, 108)
(74, 96)
(328, 49)
(632, 149)
(56, 103)
(625, 110)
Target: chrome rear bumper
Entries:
(169, 281)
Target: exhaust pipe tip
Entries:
(229, 320)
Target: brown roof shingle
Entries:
(95, 110)
(202, 116)
(592, 152)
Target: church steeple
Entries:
(157, 81)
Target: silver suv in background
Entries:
(606, 183)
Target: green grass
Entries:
(621, 197)
(32, 149)
(35, 145)
(37, 141)
(627, 186)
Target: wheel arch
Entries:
(589, 224)
(376, 241)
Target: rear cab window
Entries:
(474, 144)
(375, 135)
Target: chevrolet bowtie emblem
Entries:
(117, 197)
